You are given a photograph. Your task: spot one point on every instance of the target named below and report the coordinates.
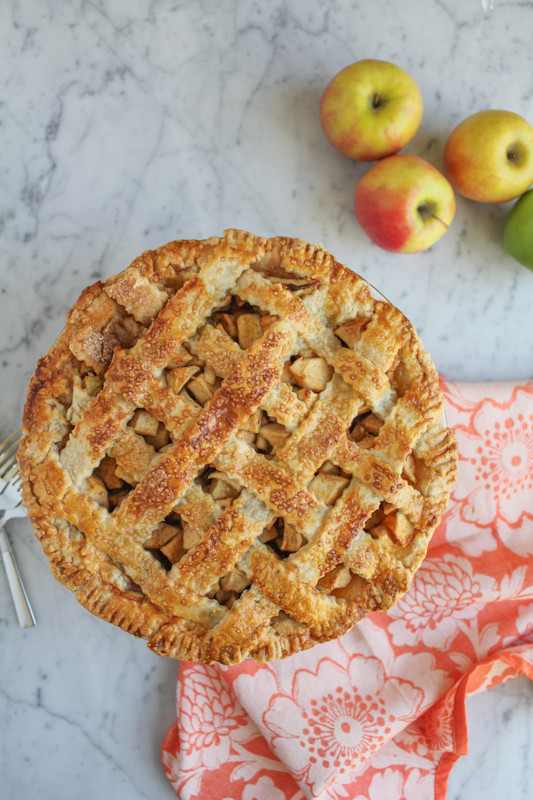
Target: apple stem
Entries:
(376, 100)
(515, 154)
(426, 211)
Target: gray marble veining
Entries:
(125, 125)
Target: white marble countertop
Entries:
(127, 124)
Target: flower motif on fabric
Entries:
(524, 623)
(435, 727)
(496, 460)
(444, 592)
(343, 727)
(264, 789)
(209, 718)
(397, 783)
(335, 717)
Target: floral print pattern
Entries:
(495, 443)
(381, 712)
(444, 592)
(395, 783)
(209, 720)
(334, 730)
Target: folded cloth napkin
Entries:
(380, 713)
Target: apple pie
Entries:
(235, 450)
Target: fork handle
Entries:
(23, 608)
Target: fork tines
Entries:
(8, 458)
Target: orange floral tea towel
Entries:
(380, 713)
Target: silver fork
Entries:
(10, 504)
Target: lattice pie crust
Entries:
(234, 450)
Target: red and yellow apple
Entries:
(404, 204)
(371, 109)
(518, 232)
(489, 156)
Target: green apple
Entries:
(371, 109)
(489, 156)
(518, 233)
(404, 204)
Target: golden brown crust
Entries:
(234, 451)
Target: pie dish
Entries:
(234, 450)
